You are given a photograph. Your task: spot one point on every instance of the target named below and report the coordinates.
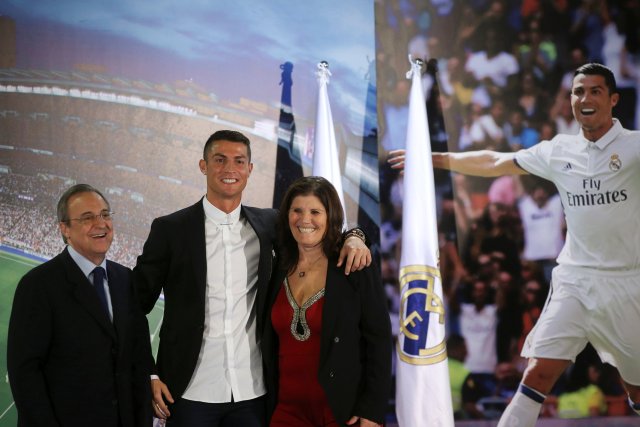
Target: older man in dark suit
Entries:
(213, 260)
(78, 343)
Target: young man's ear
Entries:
(614, 99)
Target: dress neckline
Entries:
(299, 327)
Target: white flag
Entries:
(423, 394)
(325, 148)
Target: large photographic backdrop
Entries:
(122, 95)
(499, 78)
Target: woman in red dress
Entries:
(330, 335)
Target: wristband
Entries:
(356, 232)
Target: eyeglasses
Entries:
(85, 219)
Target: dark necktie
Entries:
(98, 284)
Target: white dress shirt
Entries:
(230, 363)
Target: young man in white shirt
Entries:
(542, 217)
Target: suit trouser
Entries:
(246, 413)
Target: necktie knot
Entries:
(98, 284)
(98, 274)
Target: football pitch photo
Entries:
(12, 268)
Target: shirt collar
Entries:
(219, 217)
(85, 265)
(605, 139)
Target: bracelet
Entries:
(355, 232)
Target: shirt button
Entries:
(332, 374)
(336, 339)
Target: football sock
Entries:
(524, 408)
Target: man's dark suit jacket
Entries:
(174, 260)
(68, 364)
(355, 348)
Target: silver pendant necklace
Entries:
(301, 274)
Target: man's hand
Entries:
(353, 421)
(355, 255)
(396, 159)
(158, 391)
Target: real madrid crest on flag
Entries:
(421, 305)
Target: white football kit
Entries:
(595, 293)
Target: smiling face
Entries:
(90, 238)
(307, 221)
(592, 105)
(227, 168)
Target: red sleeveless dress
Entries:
(301, 399)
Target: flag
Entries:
(325, 148)
(423, 394)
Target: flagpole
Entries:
(325, 147)
(423, 393)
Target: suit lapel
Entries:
(266, 263)
(195, 240)
(118, 289)
(83, 291)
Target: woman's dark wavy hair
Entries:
(332, 239)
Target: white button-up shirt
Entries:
(230, 362)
